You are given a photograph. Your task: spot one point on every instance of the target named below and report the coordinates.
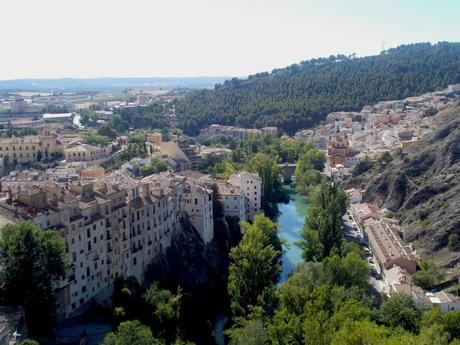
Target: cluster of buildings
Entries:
(349, 137)
(50, 143)
(113, 226)
(396, 260)
(183, 154)
(238, 132)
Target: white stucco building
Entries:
(251, 185)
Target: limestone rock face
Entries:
(421, 187)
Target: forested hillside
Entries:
(301, 95)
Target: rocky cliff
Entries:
(421, 187)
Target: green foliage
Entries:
(223, 170)
(152, 116)
(254, 266)
(133, 150)
(107, 131)
(423, 214)
(272, 192)
(33, 261)
(301, 95)
(308, 171)
(94, 138)
(119, 124)
(29, 342)
(328, 205)
(385, 158)
(362, 166)
(252, 333)
(156, 166)
(400, 311)
(453, 241)
(88, 117)
(131, 333)
(431, 112)
(428, 274)
(166, 306)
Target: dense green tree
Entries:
(33, 261)
(454, 241)
(306, 178)
(400, 311)
(154, 167)
(93, 138)
(254, 266)
(152, 116)
(270, 173)
(252, 333)
(166, 306)
(131, 333)
(328, 205)
(119, 124)
(428, 274)
(7, 164)
(223, 170)
(107, 131)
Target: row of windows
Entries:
(14, 148)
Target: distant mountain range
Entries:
(108, 84)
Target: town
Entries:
(311, 204)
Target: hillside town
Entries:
(350, 137)
(115, 225)
(115, 222)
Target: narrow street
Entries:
(353, 233)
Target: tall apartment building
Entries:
(251, 185)
(115, 226)
(233, 200)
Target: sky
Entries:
(182, 38)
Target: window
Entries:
(83, 289)
(196, 201)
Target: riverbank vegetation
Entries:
(265, 155)
(328, 300)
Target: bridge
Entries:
(288, 171)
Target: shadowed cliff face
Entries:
(201, 271)
(422, 188)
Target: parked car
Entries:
(375, 274)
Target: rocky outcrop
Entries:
(422, 188)
(200, 271)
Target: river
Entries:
(290, 223)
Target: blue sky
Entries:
(100, 38)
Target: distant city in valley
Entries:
(107, 84)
